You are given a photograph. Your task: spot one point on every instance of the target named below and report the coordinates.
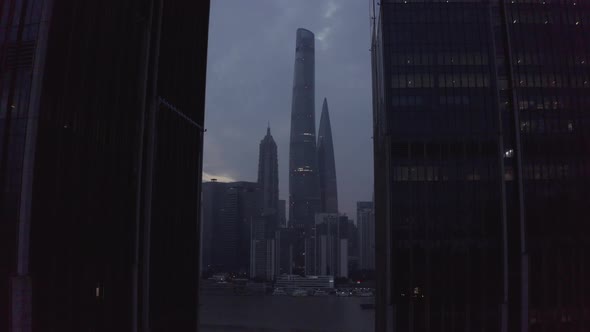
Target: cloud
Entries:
(322, 37)
(219, 178)
(331, 9)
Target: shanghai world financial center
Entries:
(482, 165)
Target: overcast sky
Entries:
(250, 79)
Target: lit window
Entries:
(509, 153)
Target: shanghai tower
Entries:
(326, 164)
(303, 175)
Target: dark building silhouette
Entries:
(286, 238)
(268, 174)
(365, 220)
(304, 197)
(230, 212)
(212, 208)
(353, 247)
(331, 245)
(282, 213)
(262, 256)
(482, 165)
(304, 190)
(101, 114)
(263, 259)
(326, 164)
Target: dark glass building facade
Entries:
(101, 114)
(481, 165)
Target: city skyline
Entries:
(255, 87)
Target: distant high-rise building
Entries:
(262, 248)
(330, 253)
(285, 241)
(365, 221)
(282, 213)
(482, 165)
(268, 174)
(326, 164)
(353, 246)
(101, 114)
(304, 190)
(263, 258)
(230, 212)
(304, 197)
(212, 205)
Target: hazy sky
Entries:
(250, 78)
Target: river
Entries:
(267, 313)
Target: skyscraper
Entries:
(304, 198)
(481, 165)
(326, 164)
(262, 261)
(230, 212)
(268, 175)
(212, 207)
(96, 209)
(331, 245)
(365, 220)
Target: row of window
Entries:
(442, 151)
(530, 103)
(437, 173)
(549, 58)
(556, 80)
(427, 80)
(547, 126)
(478, 80)
(419, 100)
(438, 35)
(450, 59)
(549, 16)
(478, 59)
(546, 2)
(428, 14)
(541, 2)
